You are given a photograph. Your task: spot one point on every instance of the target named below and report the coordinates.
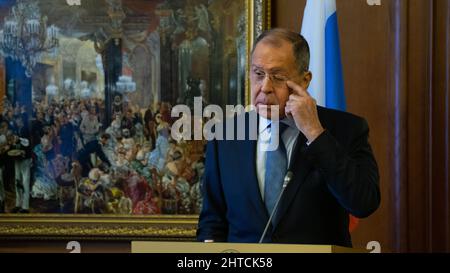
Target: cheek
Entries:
(254, 91)
(282, 96)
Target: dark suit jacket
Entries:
(92, 147)
(334, 176)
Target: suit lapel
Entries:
(250, 178)
(300, 168)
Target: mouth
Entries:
(265, 105)
(263, 102)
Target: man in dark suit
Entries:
(22, 165)
(327, 151)
(93, 147)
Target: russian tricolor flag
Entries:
(320, 29)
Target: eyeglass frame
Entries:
(276, 79)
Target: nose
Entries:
(267, 85)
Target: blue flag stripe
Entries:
(334, 83)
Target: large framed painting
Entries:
(2, 83)
(88, 87)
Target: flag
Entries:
(320, 29)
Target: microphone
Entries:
(287, 180)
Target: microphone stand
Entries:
(287, 180)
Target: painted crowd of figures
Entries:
(64, 159)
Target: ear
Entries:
(306, 80)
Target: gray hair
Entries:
(299, 44)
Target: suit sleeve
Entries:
(351, 173)
(101, 155)
(212, 222)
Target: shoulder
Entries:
(93, 144)
(343, 125)
(332, 117)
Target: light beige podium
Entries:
(184, 247)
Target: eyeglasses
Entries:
(277, 79)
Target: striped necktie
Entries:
(276, 166)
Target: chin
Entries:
(264, 111)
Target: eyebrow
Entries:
(272, 70)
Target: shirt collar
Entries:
(263, 124)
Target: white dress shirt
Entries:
(289, 138)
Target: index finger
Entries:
(297, 89)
